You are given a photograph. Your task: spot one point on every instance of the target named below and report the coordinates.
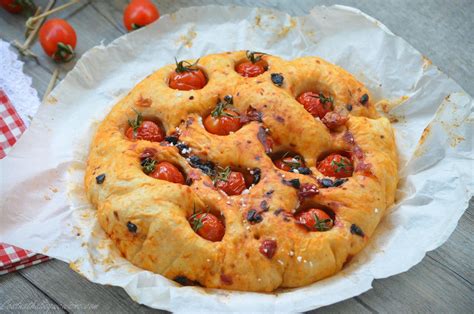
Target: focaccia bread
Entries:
(243, 171)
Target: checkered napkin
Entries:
(11, 127)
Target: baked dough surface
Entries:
(166, 244)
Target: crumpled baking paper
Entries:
(43, 207)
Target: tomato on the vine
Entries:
(167, 171)
(187, 76)
(231, 182)
(315, 219)
(316, 104)
(222, 120)
(254, 66)
(58, 39)
(144, 130)
(18, 6)
(207, 226)
(139, 13)
(336, 165)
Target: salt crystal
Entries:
(299, 258)
(280, 261)
(291, 253)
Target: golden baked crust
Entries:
(164, 241)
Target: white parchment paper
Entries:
(43, 207)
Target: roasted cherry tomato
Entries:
(222, 120)
(207, 226)
(167, 171)
(254, 66)
(289, 163)
(231, 182)
(316, 104)
(315, 220)
(18, 6)
(187, 76)
(336, 165)
(58, 39)
(139, 13)
(144, 130)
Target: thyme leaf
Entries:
(321, 224)
(254, 56)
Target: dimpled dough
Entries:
(166, 244)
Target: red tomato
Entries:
(146, 130)
(233, 183)
(249, 69)
(17, 6)
(222, 122)
(139, 13)
(288, 163)
(188, 80)
(336, 166)
(316, 104)
(167, 171)
(207, 226)
(58, 39)
(315, 220)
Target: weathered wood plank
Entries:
(353, 304)
(457, 253)
(432, 285)
(74, 292)
(20, 296)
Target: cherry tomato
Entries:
(316, 104)
(289, 163)
(58, 39)
(18, 6)
(207, 226)
(315, 220)
(249, 69)
(167, 171)
(139, 13)
(223, 123)
(336, 166)
(232, 184)
(187, 76)
(254, 66)
(146, 130)
(189, 80)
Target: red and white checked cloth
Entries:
(12, 126)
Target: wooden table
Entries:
(442, 282)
